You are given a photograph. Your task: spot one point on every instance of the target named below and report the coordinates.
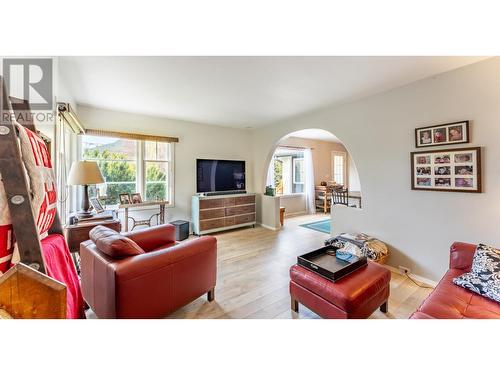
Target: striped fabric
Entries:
(6, 247)
(42, 184)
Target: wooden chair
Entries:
(323, 196)
(340, 196)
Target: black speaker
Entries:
(181, 229)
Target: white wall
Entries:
(353, 176)
(378, 133)
(294, 204)
(268, 211)
(195, 141)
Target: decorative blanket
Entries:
(41, 183)
(60, 266)
(360, 244)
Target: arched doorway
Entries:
(304, 166)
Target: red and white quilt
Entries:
(42, 185)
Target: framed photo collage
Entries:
(455, 170)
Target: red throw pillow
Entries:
(113, 243)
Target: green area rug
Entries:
(320, 226)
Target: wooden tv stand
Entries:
(222, 212)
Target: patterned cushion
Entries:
(484, 277)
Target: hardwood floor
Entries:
(252, 276)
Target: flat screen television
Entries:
(220, 175)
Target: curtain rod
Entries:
(295, 147)
(135, 136)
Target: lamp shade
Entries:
(85, 173)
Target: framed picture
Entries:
(125, 198)
(136, 198)
(445, 134)
(96, 203)
(457, 169)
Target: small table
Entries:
(79, 232)
(147, 222)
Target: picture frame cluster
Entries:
(447, 170)
(127, 198)
(452, 170)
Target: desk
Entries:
(147, 222)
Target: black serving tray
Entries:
(329, 266)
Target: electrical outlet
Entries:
(404, 269)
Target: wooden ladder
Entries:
(25, 290)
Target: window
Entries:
(130, 166)
(157, 166)
(288, 168)
(339, 167)
(298, 171)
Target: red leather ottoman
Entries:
(355, 296)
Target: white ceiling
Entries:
(239, 91)
(318, 134)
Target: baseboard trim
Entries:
(418, 278)
(267, 226)
(292, 214)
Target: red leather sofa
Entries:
(449, 301)
(145, 273)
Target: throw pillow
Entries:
(113, 243)
(484, 277)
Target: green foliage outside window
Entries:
(120, 175)
(278, 176)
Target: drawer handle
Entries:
(314, 266)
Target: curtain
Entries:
(63, 157)
(309, 181)
(270, 173)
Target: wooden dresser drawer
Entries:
(247, 218)
(238, 210)
(228, 202)
(211, 224)
(244, 200)
(218, 213)
(229, 221)
(212, 214)
(211, 203)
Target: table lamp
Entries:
(85, 173)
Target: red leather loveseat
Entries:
(145, 273)
(449, 301)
